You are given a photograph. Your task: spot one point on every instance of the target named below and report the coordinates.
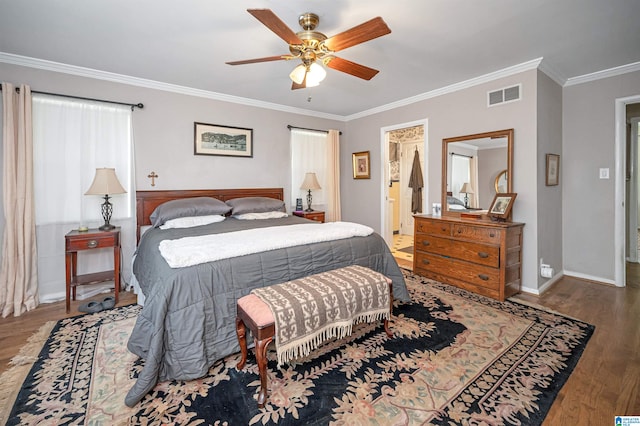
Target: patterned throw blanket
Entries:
(310, 310)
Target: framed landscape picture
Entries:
(214, 139)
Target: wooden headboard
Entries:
(147, 201)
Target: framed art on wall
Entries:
(552, 170)
(361, 169)
(214, 139)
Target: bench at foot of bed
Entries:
(373, 301)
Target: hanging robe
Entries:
(416, 183)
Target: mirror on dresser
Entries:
(474, 167)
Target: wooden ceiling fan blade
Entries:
(352, 68)
(275, 24)
(369, 30)
(256, 60)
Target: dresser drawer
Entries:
(91, 242)
(483, 276)
(477, 233)
(435, 228)
(482, 254)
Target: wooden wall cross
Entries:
(153, 177)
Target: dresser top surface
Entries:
(475, 222)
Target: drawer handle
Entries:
(459, 231)
(425, 261)
(443, 229)
(426, 243)
(92, 244)
(483, 254)
(492, 235)
(483, 277)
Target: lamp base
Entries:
(106, 227)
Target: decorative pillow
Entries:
(255, 205)
(191, 221)
(257, 216)
(453, 200)
(186, 207)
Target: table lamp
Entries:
(466, 190)
(310, 182)
(104, 183)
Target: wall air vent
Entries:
(501, 96)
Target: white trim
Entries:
(588, 277)
(387, 234)
(610, 72)
(552, 73)
(619, 152)
(152, 84)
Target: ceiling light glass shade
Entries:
(297, 75)
(315, 75)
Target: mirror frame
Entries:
(508, 133)
(496, 183)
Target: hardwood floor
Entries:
(14, 331)
(605, 383)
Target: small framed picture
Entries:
(361, 165)
(553, 169)
(502, 204)
(213, 139)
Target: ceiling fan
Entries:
(312, 47)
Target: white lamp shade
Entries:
(310, 182)
(105, 182)
(314, 74)
(297, 75)
(466, 188)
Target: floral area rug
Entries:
(456, 358)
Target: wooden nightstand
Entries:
(76, 241)
(316, 215)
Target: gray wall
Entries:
(588, 202)
(164, 132)
(460, 113)
(549, 113)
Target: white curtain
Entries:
(334, 210)
(309, 155)
(71, 139)
(19, 274)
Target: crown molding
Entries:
(505, 72)
(611, 72)
(42, 64)
(552, 73)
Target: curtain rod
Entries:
(289, 126)
(138, 105)
(461, 155)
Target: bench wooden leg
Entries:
(241, 331)
(261, 360)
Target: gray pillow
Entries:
(255, 205)
(453, 201)
(187, 207)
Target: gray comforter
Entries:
(188, 320)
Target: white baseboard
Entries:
(589, 277)
(538, 291)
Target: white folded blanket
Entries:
(191, 251)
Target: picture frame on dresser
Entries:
(502, 204)
(214, 139)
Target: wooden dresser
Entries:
(480, 256)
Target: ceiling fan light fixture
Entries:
(297, 75)
(315, 74)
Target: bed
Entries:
(188, 319)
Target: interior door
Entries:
(407, 152)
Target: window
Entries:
(71, 139)
(308, 155)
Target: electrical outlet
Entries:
(604, 173)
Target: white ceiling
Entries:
(433, 43)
